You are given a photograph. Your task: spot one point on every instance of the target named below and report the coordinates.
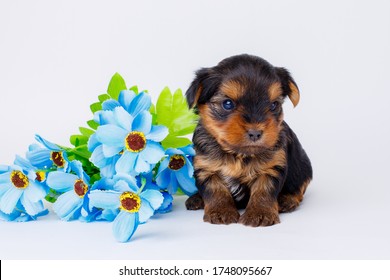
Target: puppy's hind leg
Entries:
(288, 202)
(195, 202)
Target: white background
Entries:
(57, 56)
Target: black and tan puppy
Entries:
(246, 155)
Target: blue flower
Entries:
(177, 170)
(40, 175)
(166, 206)
(132, 142)
(133, 205)
(48, 156)
(132, 103)
(20, 194)
(73, 202)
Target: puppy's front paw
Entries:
(221, 216)
(262, 218)
(195, 202)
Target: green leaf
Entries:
(82, 151)
(115, 86)
(135, 89)
(152, 111)
(92, 124)
(86, 131)
(77, 140)
(103, 97)
(96, 107)
(175, 142)
(173, 112)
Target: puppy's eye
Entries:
(228, 104)
(274, 106)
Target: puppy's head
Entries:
(240, 102)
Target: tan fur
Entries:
(294, 94)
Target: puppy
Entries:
(246, 155)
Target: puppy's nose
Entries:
(254, 134)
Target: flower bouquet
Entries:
(124, 168)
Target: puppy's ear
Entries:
(202, 87)
(289, 86)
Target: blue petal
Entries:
(123, 118)
(155, 198)
(188, 150)
(166, 206)
(109, 170)
(34, 192)
(110, 151)
(111, 135)
(173, 151)
(103, 184)
(122, 186)
(61, 181)
(66, 205)
(98, 158)
(141, 165)
(104, 199)
(152, 153)
(157, 133)
(110, 104)
(125, 98)
(108, 215)
(32, 208)
(104, 117)
(10, 199)
(25, 164)
(173, 184)
(93, 143)
(124, 226)
(40, 158)
(163, 178)
(146, 211)
(143, 122)
(140, 103)
(187, 184)
(5, 178)
(163, 165)
(126, 162)
(129, 180)
(190, 168)
(9, 217)
(47, 144)
(77, 167)
(4, 168)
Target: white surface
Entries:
(57, 56)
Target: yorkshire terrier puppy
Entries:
(246, 155)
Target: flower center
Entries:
(19, 180)
(130, 202)
(80, 188)
(41, 176)
(176, 162)
(135, 141)
(58, 159)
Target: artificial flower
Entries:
(48, 156)
(150, 184)
(73, 202)
(20, 193)
(135, 205)
(40, 175)
(176, 170)
(132, 103)
(136, 140)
